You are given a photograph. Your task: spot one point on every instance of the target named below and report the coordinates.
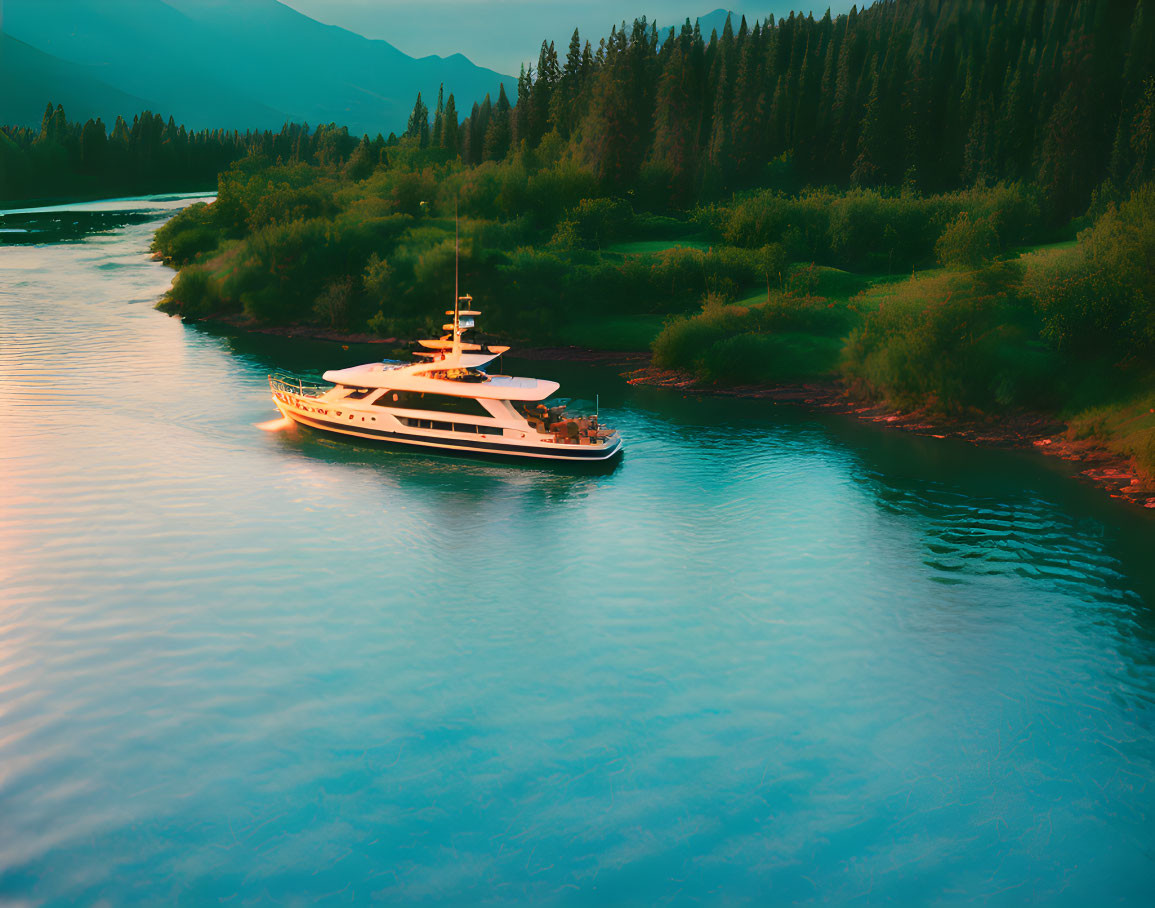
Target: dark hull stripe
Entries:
(424, 441)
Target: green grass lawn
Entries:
(614, 332)
(1047, 253)
(650, 247)
(821, 280)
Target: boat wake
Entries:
(275, 425)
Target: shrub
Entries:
(954, 342)
(413, 189)
(283, 204)
(751, 358)
(1145, 456)
(593, 223)
(808, 314)
(552, 191)
(378, 278)
(192, 295)
(334, 304)
(967, 242)
(785, 339)
(1100, 302)
(864, 229)
(683, 340)
(188, 234)
(819, 280)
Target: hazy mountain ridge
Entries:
(31, 78)
(238, 64)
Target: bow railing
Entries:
(288, 383)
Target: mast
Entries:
(450, 344)
(456, 281)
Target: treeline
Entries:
(67, 158)
(926, 94)
(929, 95)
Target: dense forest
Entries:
(64, 159)
(929, 95)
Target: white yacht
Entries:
(447, 400)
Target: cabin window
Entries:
(358, 393)
(441, 403)
(464, 427)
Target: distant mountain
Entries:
(716, 20)
(707, 24)
(238, 63)
(31, 79)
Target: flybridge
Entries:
(450, 347)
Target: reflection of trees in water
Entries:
(984, 513)
(66, 226)
(266, 353)
(973, 512)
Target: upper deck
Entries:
(417, 377)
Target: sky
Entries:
(502, 34)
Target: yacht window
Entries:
(358, 393)
(463, 427)
(441, 403)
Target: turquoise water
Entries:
(771, 657)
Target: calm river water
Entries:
(772, 657)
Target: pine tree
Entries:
(676, 118)
(449, 135)
(562, 112)
(744, 117)
(439, 119)
(53, 126)
(867, 168)
(1068, 167)
(93, 146)
(498, 133)
(418, 127)
(1143, 138)
(548, 77)
(718, 158)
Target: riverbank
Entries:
(1108, 470)
(1113, 472)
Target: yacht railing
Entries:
(288, 383)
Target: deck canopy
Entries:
(413, 378)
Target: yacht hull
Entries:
(564, 452)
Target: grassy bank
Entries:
(1066, 328)
(544, 250)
